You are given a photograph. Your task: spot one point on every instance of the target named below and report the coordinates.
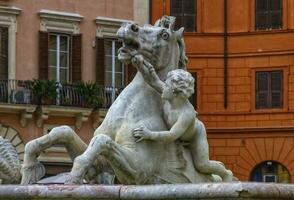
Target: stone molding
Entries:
(81, 114)
(8, 18)
(107, 27)
(216, 191)
(13, 136)
(25, 111)
(42, 113)
(60, 21)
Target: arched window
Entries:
(270, 171)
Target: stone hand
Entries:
(142, 133)
(137, 61)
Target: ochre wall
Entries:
(28, 26)
(240, 135)
(28, 23)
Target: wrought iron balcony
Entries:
(21, 92)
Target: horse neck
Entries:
(172, 65)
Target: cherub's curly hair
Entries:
(181, 81)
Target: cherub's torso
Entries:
(171, 115)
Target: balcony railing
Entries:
(21, 92)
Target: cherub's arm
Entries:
(148, 72)
(176, 131)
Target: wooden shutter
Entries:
(276, 89)
(3, 53)
(262, 90)
(100, 62)
(43, 55)
(76, 60)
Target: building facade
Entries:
(52, 49)
(241, 53)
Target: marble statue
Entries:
(180, 117)
(133, 159)
(9, 163)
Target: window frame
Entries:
(268, 13)
(8, 18)
(58, 51)
(113, 71)
(183, 15)
(285, 72)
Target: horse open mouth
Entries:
(124, 54)
(127, 51)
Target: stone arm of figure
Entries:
(148, 73)
(177, 130)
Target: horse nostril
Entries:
(134, 27)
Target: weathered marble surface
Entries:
(9, 163)
(114, 145)
(215, 191)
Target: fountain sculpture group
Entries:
(150, 135)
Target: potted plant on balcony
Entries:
(90, 93)
(44, 91)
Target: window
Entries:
(60, 46)
(59, 57)
(8, 29)
(268, 14)
(3, 53)
(269, 89)
(110, 72)
(270, 171)
(193, 98)
(114, 69)
(185, 13)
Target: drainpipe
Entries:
(225, 53)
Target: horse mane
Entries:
(169, 22)
(183, 58)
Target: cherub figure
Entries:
(180, 117)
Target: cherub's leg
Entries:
(100, 145)
(32, 169)
(199, 149)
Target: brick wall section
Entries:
(241, 110)
(242, 154)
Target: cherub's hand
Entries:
(137, 61)
(142, 133)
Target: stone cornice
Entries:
(107, 27)
(50, 14)
(9, 10)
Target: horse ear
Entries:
(179, 33)
(157, 23)
(172, 23)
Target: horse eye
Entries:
(134, 27)
(165, 35)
